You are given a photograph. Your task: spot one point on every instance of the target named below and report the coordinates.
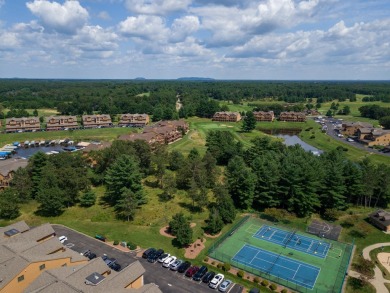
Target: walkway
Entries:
(378, 280)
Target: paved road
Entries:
(332, 133)
(167, 280)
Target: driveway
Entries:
(168, 281)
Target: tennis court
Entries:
(293, 240)
(278, 265)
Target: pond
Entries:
(290, 137)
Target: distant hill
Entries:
(140, 78)
(196, 78)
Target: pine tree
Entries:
(214, 222)
(88, 199)
(126, 205)
(249, 122)
(224, 203)
(36, 164)
(9, 207)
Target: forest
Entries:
(158, 97)
(228, 177)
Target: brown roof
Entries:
(11, 165)
(36, 119)
(97, 146)
(357, 124)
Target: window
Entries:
(42, 267)
(21, 278)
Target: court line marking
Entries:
(300, 263)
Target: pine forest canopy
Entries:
(121, 96)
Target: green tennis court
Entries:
(331, 268)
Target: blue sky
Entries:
(222, 39)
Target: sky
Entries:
(221, 39)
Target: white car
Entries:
(163, 257)
(63, 239)
(174, 266)
(216, 281)
(169, 261)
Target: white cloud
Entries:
(183, 27)
(144, 27)
(66, 18)
(104, 15)
(156, 7)
(9, 41)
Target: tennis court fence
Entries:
(336, 287)
(227, 234)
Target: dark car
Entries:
(100, 237)
(208, 277)
(199, 274)
(115, 266)
(91, 255)
(254, 290)
(183, 267)
(155, 255)
(192, 271)
(147, 252)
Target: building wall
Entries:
(137, 283)
(33, 271)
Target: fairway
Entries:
(288, 257)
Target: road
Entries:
(168, 281)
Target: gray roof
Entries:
(11, 165)
(381, 217)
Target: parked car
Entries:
(163, 257)
(115, 266)
(86, 253)
(147, 252)
(199, 274)
(192, 271)
(100, 237)
(224, 285)
(109, 261)
(216, 281)
(183, 267)
(208, 277)
(254, 290)
(91, 255)
(175, 265)
(170, 260)
(63, 239)
(155, 255)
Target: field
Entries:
(294, 259)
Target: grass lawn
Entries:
(106, 134)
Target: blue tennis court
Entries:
(277, 265)
(293, 240)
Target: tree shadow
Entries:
(190, 207)
(176, 244)
(151, 184)
(165, 197)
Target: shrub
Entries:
(131, 245)
(312, 136)
(116, 242)
(240, 273)
(283, 291)
(256, 280)
(206, 259)
(264, 283)
(226, 267)
(213, 262)
(219, 265)
(273, 287)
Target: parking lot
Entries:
(167, 280)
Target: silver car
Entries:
(225, 285)
(176, 265)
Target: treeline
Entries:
(79, 97)
(374, 111)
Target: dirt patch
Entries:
(164, 232)
(384, 258)
(192, 225)
(213, 236)
(194, 249)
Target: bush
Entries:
(240, 273)
(116, 242)
(131, 245)
(283, 291)
(226, 267)
(213, 263)
(256, 280)
(219, 265)
(264, 283)
(312, 136)
(206, 259)
(273, 287)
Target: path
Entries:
(378, 280)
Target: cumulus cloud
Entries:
(63, 18)
(156, 7)
(183, 27)
(9, 41)
(104, 15)
(144, 26)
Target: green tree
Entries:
(329, 113)
(385, 122)
(88, 199)
(214, 222)
(35, 113)
(175, 160)
(169, 186)
(159, 162)
(22, 184)
(184, 234)
(9, 207)
(224, 203)
(198, 196)
(176, 222)
(241, 182)
(124, 173)
(249, 122)
(35, 166)
(126, 205)
(352, 173)
(210, 168)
